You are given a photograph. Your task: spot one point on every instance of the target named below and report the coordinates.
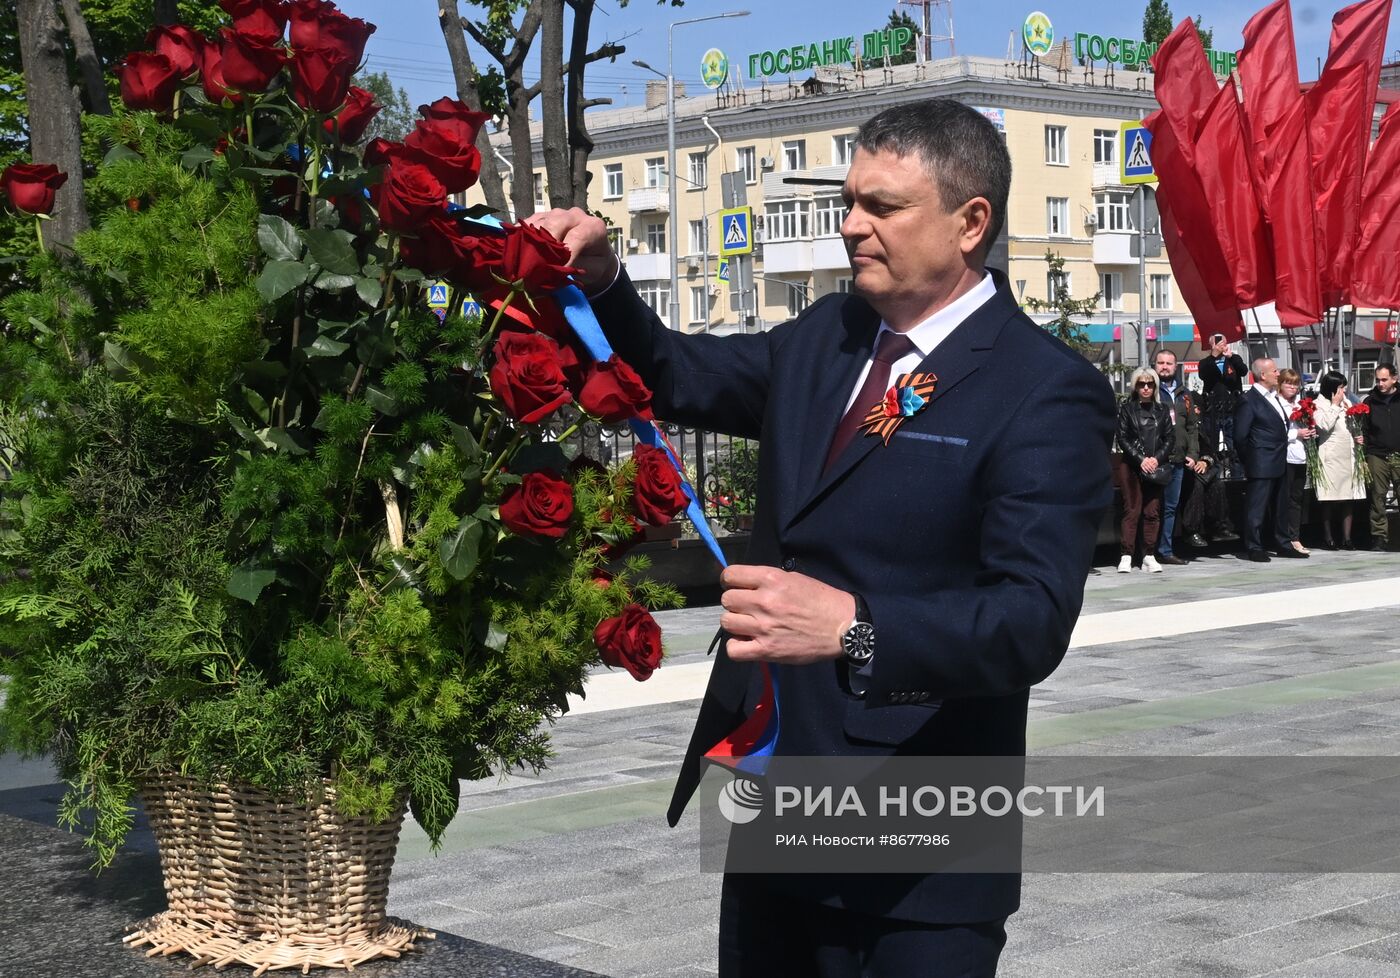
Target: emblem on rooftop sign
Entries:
(1038, 33)
(714, 68)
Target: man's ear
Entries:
(976, 217)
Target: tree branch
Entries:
(464, 75)
(492, 48)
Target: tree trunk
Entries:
(54, 132)
(167, 12)
(464, 75)
(94, 85)
(522, 183)
(558, 175)
(580, 142)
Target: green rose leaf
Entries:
(119, 152)
(369, 290)
(278, 239)
(460, 548)
(246, 583)
(324, 346)
(334, 251)
(464, 440)
(333, 282)
(382, 401)
(279, 278)
(193, 159)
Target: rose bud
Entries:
(657, 494)
(352, 121)
(540, 506)
(631, 641)
(612, 392)
(148, 81)
(32, 187)
(527, 376)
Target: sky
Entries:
(409, 44)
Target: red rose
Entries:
(211, 75)
(251, 61)
(451, 108)
(657, 494)
(541, 506)
(320, 24)
(321, 78)
(381, 151)
(536, 258)
(148, 81)
(631, 641)
(352, 121)
(613, 392)
(527, 376)
(32, 187)
(441, 247)
(180, 44)
(409, 196)
(257, 16)
(447, 147)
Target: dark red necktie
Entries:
(890, 347)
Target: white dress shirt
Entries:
(1297, 453)
(928, 334)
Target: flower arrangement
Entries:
(1356, 418)
(271, 519)
(1305, 416)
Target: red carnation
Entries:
(251, 61)
(148, 81)
(320, 24)
(1357, 410)
(32, 187)
(631, 641)
(613, 392)
(181, 44)
(409, 196)
(352, 121)
(540, 506)
(657, 494)
(527, 376)
(321, 78)
(536, 258)
(257, 16)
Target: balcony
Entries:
(1113, 248)
(1106, 175)
(830, 254)
(787, 256)
(653, 267)
(648, 200)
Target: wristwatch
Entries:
(858, 640)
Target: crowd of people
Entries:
(1177, 449)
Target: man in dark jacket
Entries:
(1222, 380)
(1382, 436)
(1261, 440)
(1186, 448)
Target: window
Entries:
(797, 299)
(787, 220)
(1111, 210)
(746, 162)
(1057, 216)
(845, 285)
(656, 171)
(699, 237)
(1365, 375)
(699, 171)
(656, 238)
(1055, 151)
(795, 154)
(1054, 281)
(843, 147)
(612, 181)
(1105, 146)
(656, 295)
(1111, 285)
(698, 312)
(615, 242)
(539, 189)
(1161, 291)
(830, 211)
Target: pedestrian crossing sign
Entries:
(1135, 154)
(736, 231)
(723, 272)
(438, 296)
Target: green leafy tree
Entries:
(901, 18)
(1207, 36)
(1156, 21)
(1064, 326)
(397, 117)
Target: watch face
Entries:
(859, 642)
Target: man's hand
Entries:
(1149, 465)
(587, 239)
(778, 616)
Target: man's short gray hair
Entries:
(1257, 366)
(962, 151)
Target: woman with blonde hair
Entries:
(1142, 469)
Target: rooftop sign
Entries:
(874, 46)
(1131, 53)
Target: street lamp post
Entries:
(673, 222)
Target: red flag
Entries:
(1358, 38)
(1183, 82)
(1376, 273)
(1291, 220)
(1339, 127)
(1222, 166)
(1268, 70)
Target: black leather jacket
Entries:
(1145, 431)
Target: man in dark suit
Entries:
(1261, 440)
(958, 550)
(1222, 382)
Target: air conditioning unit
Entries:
(633, 244)
(1091, 221)
(766, 162)
(692, 262)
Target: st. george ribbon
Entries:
(748, 748)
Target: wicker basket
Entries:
(270, 882)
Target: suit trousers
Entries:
(764, 933)
(1261, 497)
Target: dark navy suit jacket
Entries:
(1261, 436)
(969, 536)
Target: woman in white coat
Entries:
(1336, 449)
